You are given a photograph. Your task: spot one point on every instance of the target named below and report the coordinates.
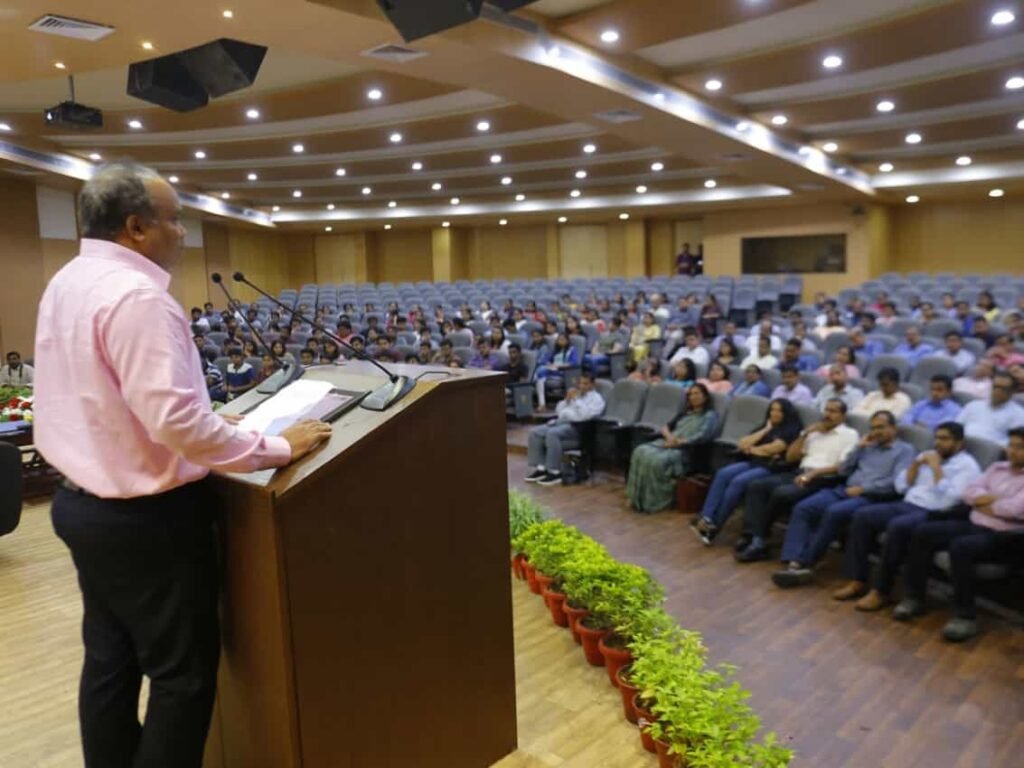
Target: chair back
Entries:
(888, 361)
(10, 487)
(932, 366)
(664, 403)
(984, 451)
(745, 414)
(919, 437)
(626, 401)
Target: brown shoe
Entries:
(872, 601)
(850, 591)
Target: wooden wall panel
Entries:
(55, 254)
(403, 255)
(340, 258)
(190, 284)
(300, 253)
(584, 249)
(660, 247)
(508, 252)
(21, 261)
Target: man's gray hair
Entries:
(115, 192)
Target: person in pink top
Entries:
(994, 532)
(122, 411)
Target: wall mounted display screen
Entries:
(806, 253)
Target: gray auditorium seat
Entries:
(931, 366)
(745, 414)
(625, 403)
(664, 403)
(919, 437)
(859, 422)
(887, 361)
(985, 451)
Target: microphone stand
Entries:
(379, 399)
(286, 373)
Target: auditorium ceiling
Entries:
(574, 109)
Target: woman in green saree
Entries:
(655, 467)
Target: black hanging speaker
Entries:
(186, 80)
(418, 18)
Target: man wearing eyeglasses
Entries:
(993, 419)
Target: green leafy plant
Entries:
(523, 512)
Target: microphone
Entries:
(286, 373)
(381, 398)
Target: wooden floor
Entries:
(842, 688)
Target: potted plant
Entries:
(634, 609)
(523, 512)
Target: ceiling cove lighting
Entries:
(1002, 18)
(886, 167)
(832, 61)
(714, 84)
(964, 160)
(779, 119)
(375, 94)
(913, 199)
(252, 113)
(996, 193)
(913, 138)
(885, 105)
(657, 167)
(610, 36)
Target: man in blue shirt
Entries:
(752, 384)
(992, 420)
(962, 358)
(793, 354)
(871, 471)
(933, 483)
(864, 348)
(240, 376)
(484, 358)
(913, 349)
(939, 407)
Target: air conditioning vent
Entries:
(618, 116)
(73, 28)
(396, 54)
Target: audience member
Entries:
(267, 368)
(552, 366)
(648, 371)
(954, 351)
(764, 329)
(981, 331)
(838, 389)
(611, 342)
(992, 419)
(710, 313)
(306, 358)
(484, 358)
(987, 304)
(791, 389)
(549, 441)
(16, 373)
(793, 355)
(717, 381)
(728, 353)
(214, 376)
(683, 374)
(913, 349)
(887, 397)
(979, 383)
(844, 357)
(752, 384)
(1003, 354)
(646, 330)
(863, 348)
(763, 357)
(240, 376)
(691, 350)
(937, 408)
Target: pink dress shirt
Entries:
(121, 406)
(1007, 486)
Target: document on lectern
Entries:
(288, 406)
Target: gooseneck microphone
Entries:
(286, 372)
(381, 398)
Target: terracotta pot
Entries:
(555, 602)
(574, 615)
(665, 760)
(644, 718)
(544, 581)
(517, 566)
(531, 577)
(591, 639)
(614, 658)
(628, 691)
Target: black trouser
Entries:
(147, 568)
(767, 497)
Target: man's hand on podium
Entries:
(304, 436)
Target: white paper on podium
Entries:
(286, 406)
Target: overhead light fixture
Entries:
(297, 193)
(328, 229)
(200, 154)
(804, 150)
(779, 120)
(913, 199)
(886, 167)
(589, 149)
(659, 96)
(841, 171)
(367, 190)
(743, 126)
(135, 125)
(225, 195)
(996, 193)
(495, 159)
(375, 94)
(455, 201)
(395, 138)
(60, 65)
(252, 177)
(714, 84)
(94, 156)
(147, 46)
(520, 197)
(1002, 18)
(581, 174)
(913, 138)
(610, 36)
(964, 160)
(502, 222)
(830, 146)
(446, 224)
(1015, 83)
(340, 172)
(276, 208)
(298, 148)
(657, 167)
(641, 190)
(885, 105)
(228, 14)
(575, 193)
(483, 126)
(506, 180)
(1020, 124)
(252, 113)
(563, 219)
(832, 61)
(624, 216)
(392, 204)
(387, 226)
(172, 179)
(417, 166)
(330, 206)
(710, 184)
(436, 186)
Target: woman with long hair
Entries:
(655, 468)
(552, 365)
(759, 454)
(717, 380)
(728, 353)
(845, 357)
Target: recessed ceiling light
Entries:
(562, 219)
(483, 126)
(225, 195)
(59, 65)
(520, 197)
(328, 229)
(367, 190)
(506, 180)
(886, 167)
(964, 160)
(581, 174)
(446, 224)
(392, 204)
(804, 150)
(641, 190)
(252, 177)
(832, 61)
(1002, 18)
(575, 193)
(135, 124)
(276, 208)
(589, 148)
(395, 138)
(436, 186)
(298, 148)
(375, 94)
(455, 201)
(714, 84)
(1015, 83)
(495, 159)
(200, 154)
(330, 206)
(743, 126)
(710, 184)
(340, 172)
(996, 193)
(94, 156)
(387, 226)
(657, 167)
(830, 146)
(624, 216)
(147, 46)
(297, 193)
(172, 179)
(913, 199)
(252, 113)
(885, 106)
(779, 120)
(417, 166)
(841, 171)
(610, 36)
(228, 14)
(502, 222)
(913, 138)
(1020, 124)
(659, 96)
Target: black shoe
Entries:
(908, 609)
(753, 554)
(742, 542)
(792, 577)
(550, 479)
(536, 476)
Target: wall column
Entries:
(635, 248)
(441, 249)
(660, 245)
(552, 252)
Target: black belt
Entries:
(67, 485)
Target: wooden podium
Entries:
(367, 619)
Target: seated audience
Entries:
(793, 355)
(979, 383)
(753, 383)
(710, 314)
(655, 468)
(267, 369)
(987, 304)
(981, 331)
(240, 376)
(385, 351)
(307, 359)
(764, 328)
(817, 454)
(759, 454)
(913, 349)
(17, 373)
(832, 324)
(763, 357)
(863, 348)
(1003, 354)
(691, 350)
(682, 374)
(728, 353)
(838, 389)
(954, 351)
(200, 323)
(994, 532)
(870, 476)
(646, 330)
(937, 408)
(931, 486)
(648, 371)
(843, 357)
(445, 353)
(717, 381)
(887, 397)
(214, 376)
(518, 371)
(611, 342)
(548, 441)
(484, 358)
(791, 388)
(992, 419)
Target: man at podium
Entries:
(122, 410)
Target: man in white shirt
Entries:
(549, 441)
(766, 329)
(691, 350)
(200, 324)
(820, 450)
(979, 383)
(763, 357)
(887, 397)
(16, 373)
(838, 389)
(954, 350)
(993, 419)
(659, 308)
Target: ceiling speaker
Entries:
(418, 18)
